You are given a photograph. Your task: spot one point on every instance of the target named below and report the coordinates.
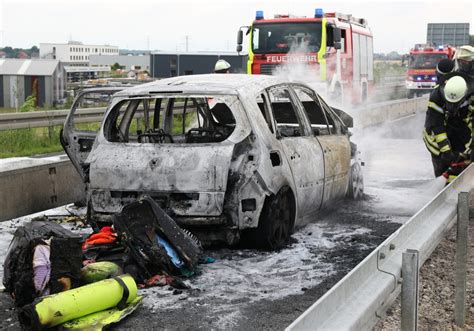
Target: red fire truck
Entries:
(339, 46)
(421, 71)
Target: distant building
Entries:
(75, 53)
(21, 78)
(168, 64)
(126, 62)
(454, 34)
(80, 74)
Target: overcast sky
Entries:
(208, 25)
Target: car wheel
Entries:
(356, 182)
(275, 224)
(276, 220)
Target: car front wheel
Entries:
(356, 182)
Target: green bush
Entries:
(29, 105)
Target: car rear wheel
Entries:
(276, 222)
(356, 182)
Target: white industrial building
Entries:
(75, 53)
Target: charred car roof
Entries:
(209, 84)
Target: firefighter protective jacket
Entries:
(448, 131)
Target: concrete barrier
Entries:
(388, 111)
(31, 189)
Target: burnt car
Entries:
(229, 157)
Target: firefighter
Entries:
(464, 63)
(448, 126)
(222, 67)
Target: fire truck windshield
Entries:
(425, 61)
(283, 37)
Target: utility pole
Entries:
(187, 44)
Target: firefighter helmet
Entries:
(445, 66)
(455, 89)
(464, 58)
(465, 52)
(221, 66)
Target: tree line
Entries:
(14, 53)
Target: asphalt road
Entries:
(249, 290)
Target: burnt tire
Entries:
(356, 183)
(276, 222)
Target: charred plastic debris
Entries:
(57, 277)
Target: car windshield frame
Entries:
(281, 38)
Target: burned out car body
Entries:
(227, 156)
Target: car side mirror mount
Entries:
(346, 119)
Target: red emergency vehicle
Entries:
(421, 71)
(339, 45)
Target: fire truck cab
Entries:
(337, 47)
(421, 72)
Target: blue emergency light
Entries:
(318, 13)
(259, 15)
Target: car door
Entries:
(328, 131)
(82, 124)
(301, 150)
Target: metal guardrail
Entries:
(38, 119)
(360, 299)
(12, 121)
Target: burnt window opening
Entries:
(288, 123)
(333, 120)
(92, 99)
(169, 120)
(321, 123)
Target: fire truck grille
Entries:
(268, 69)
